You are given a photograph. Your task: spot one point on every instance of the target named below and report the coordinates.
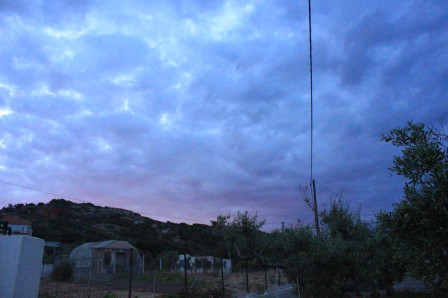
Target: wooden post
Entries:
(276, 281)
(90, 275)
(222, 280)
(316, 216)
(143, 263)
(131, 257)
(247, 278)
(185, 273)
(278, 276)
(265, 278)
(154, 288)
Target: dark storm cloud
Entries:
(368, 40)
(192, 109)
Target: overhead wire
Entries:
(340, 192)
(82, 201)
(201, 221)
(42, 191)
(328, 189)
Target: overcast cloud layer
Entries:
(190, 109)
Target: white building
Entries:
(195, 263)
(18, 225)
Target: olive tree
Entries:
(349, 256)
(420, 219)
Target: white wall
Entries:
(227, 265)
(21, 229)
(189, 258)
(20, 266)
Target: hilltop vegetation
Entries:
(73, 223)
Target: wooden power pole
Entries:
(316, 216)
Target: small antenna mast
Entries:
(313, 185)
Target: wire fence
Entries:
(106, 272)
(117, 272)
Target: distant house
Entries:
(226, 265)
(105, 257)
(52, 248)
(189, 262)
(204, 263)
(18, 225)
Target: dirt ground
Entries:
(235, 282)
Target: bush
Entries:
(164, 276)
(109, 294)
(349, 257)
(64, 272)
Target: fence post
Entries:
(90, 275)
(276, 281)
(265, 278)
(130, 272)
(222, 280)
(185, 272)
(247, 278)
(279, 276)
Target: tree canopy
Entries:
(241, 235)
(420, 220)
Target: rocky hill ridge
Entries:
(76, 223)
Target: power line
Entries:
(173, 217)
(42, 191)
(329, 189)
(340, 192)
(82, 201)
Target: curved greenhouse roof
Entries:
(85, 250)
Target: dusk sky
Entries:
(184, 110)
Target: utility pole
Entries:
(316, 217)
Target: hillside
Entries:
(73, 223)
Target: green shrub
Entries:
(109, 294)
(164, 276)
